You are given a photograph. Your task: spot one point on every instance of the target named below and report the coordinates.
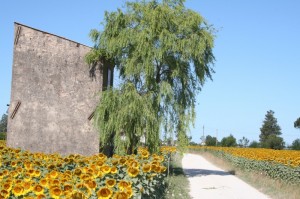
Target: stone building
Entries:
(53, 94)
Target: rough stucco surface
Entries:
(57, 95)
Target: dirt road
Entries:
(210, 182)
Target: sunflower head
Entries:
(113, 170)
(123, 184)
(133, 171)
(105, 169)
(91, 184)
(121, 195)
(146, 168)
(110, 182)
(77, 172)
(104, 193)
(4, 193)
(18, 190)
(44, 182)
(145, 154)
(78, 195)
(68, 187)
(53, 174)
(41, 196)
(55, 192)
(38, 189)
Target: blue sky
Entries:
(257, 52)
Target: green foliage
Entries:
(254, 144)
(296, 144)
(273, 142)
(2, 136)
(297, 123)
(270, 131)
(243, 142)
(229, 141)
(129, 116)
(164, 51)
(210, 141)
(3, 123)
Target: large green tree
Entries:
(296, 144)
(297, 123)
(3, 127)
(270, 131)
(163, 52)
(210, 141)
(229, 141)
(3, 123)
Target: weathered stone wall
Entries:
(57, 92)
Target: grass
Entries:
(176, 183)
(274, 188)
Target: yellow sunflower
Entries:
(38, 189)
(37, 173)
(145, 154)
(27, 186)
(41, 196)
(53, 174)
(78, 195)
(44, 182)
(146, 168)
(7, 186)
(4, 193)
(102, 157)
(110, 182)
(104, 193)
(68, 187)
(13, 163)
(133, 172)
(18, 190)
(91, 184)
(122, 161)
(120, 195)
(123, 184)
(113, 170)
(55, 192)
(77, 172)
(105, 169)
(129, 191)
(134, 164)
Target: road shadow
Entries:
(205, 172)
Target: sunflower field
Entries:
(278, 164)
(36, 175)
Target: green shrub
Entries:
(3, 136)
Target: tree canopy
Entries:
(296, 144)
(269, 127)
(297, 123)
(243, 142)
(3, 123)
(163, 52)
(228, 141)
(210, 141)
(270, 131)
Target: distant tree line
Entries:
(269, 137)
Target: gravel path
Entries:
(210, 182)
